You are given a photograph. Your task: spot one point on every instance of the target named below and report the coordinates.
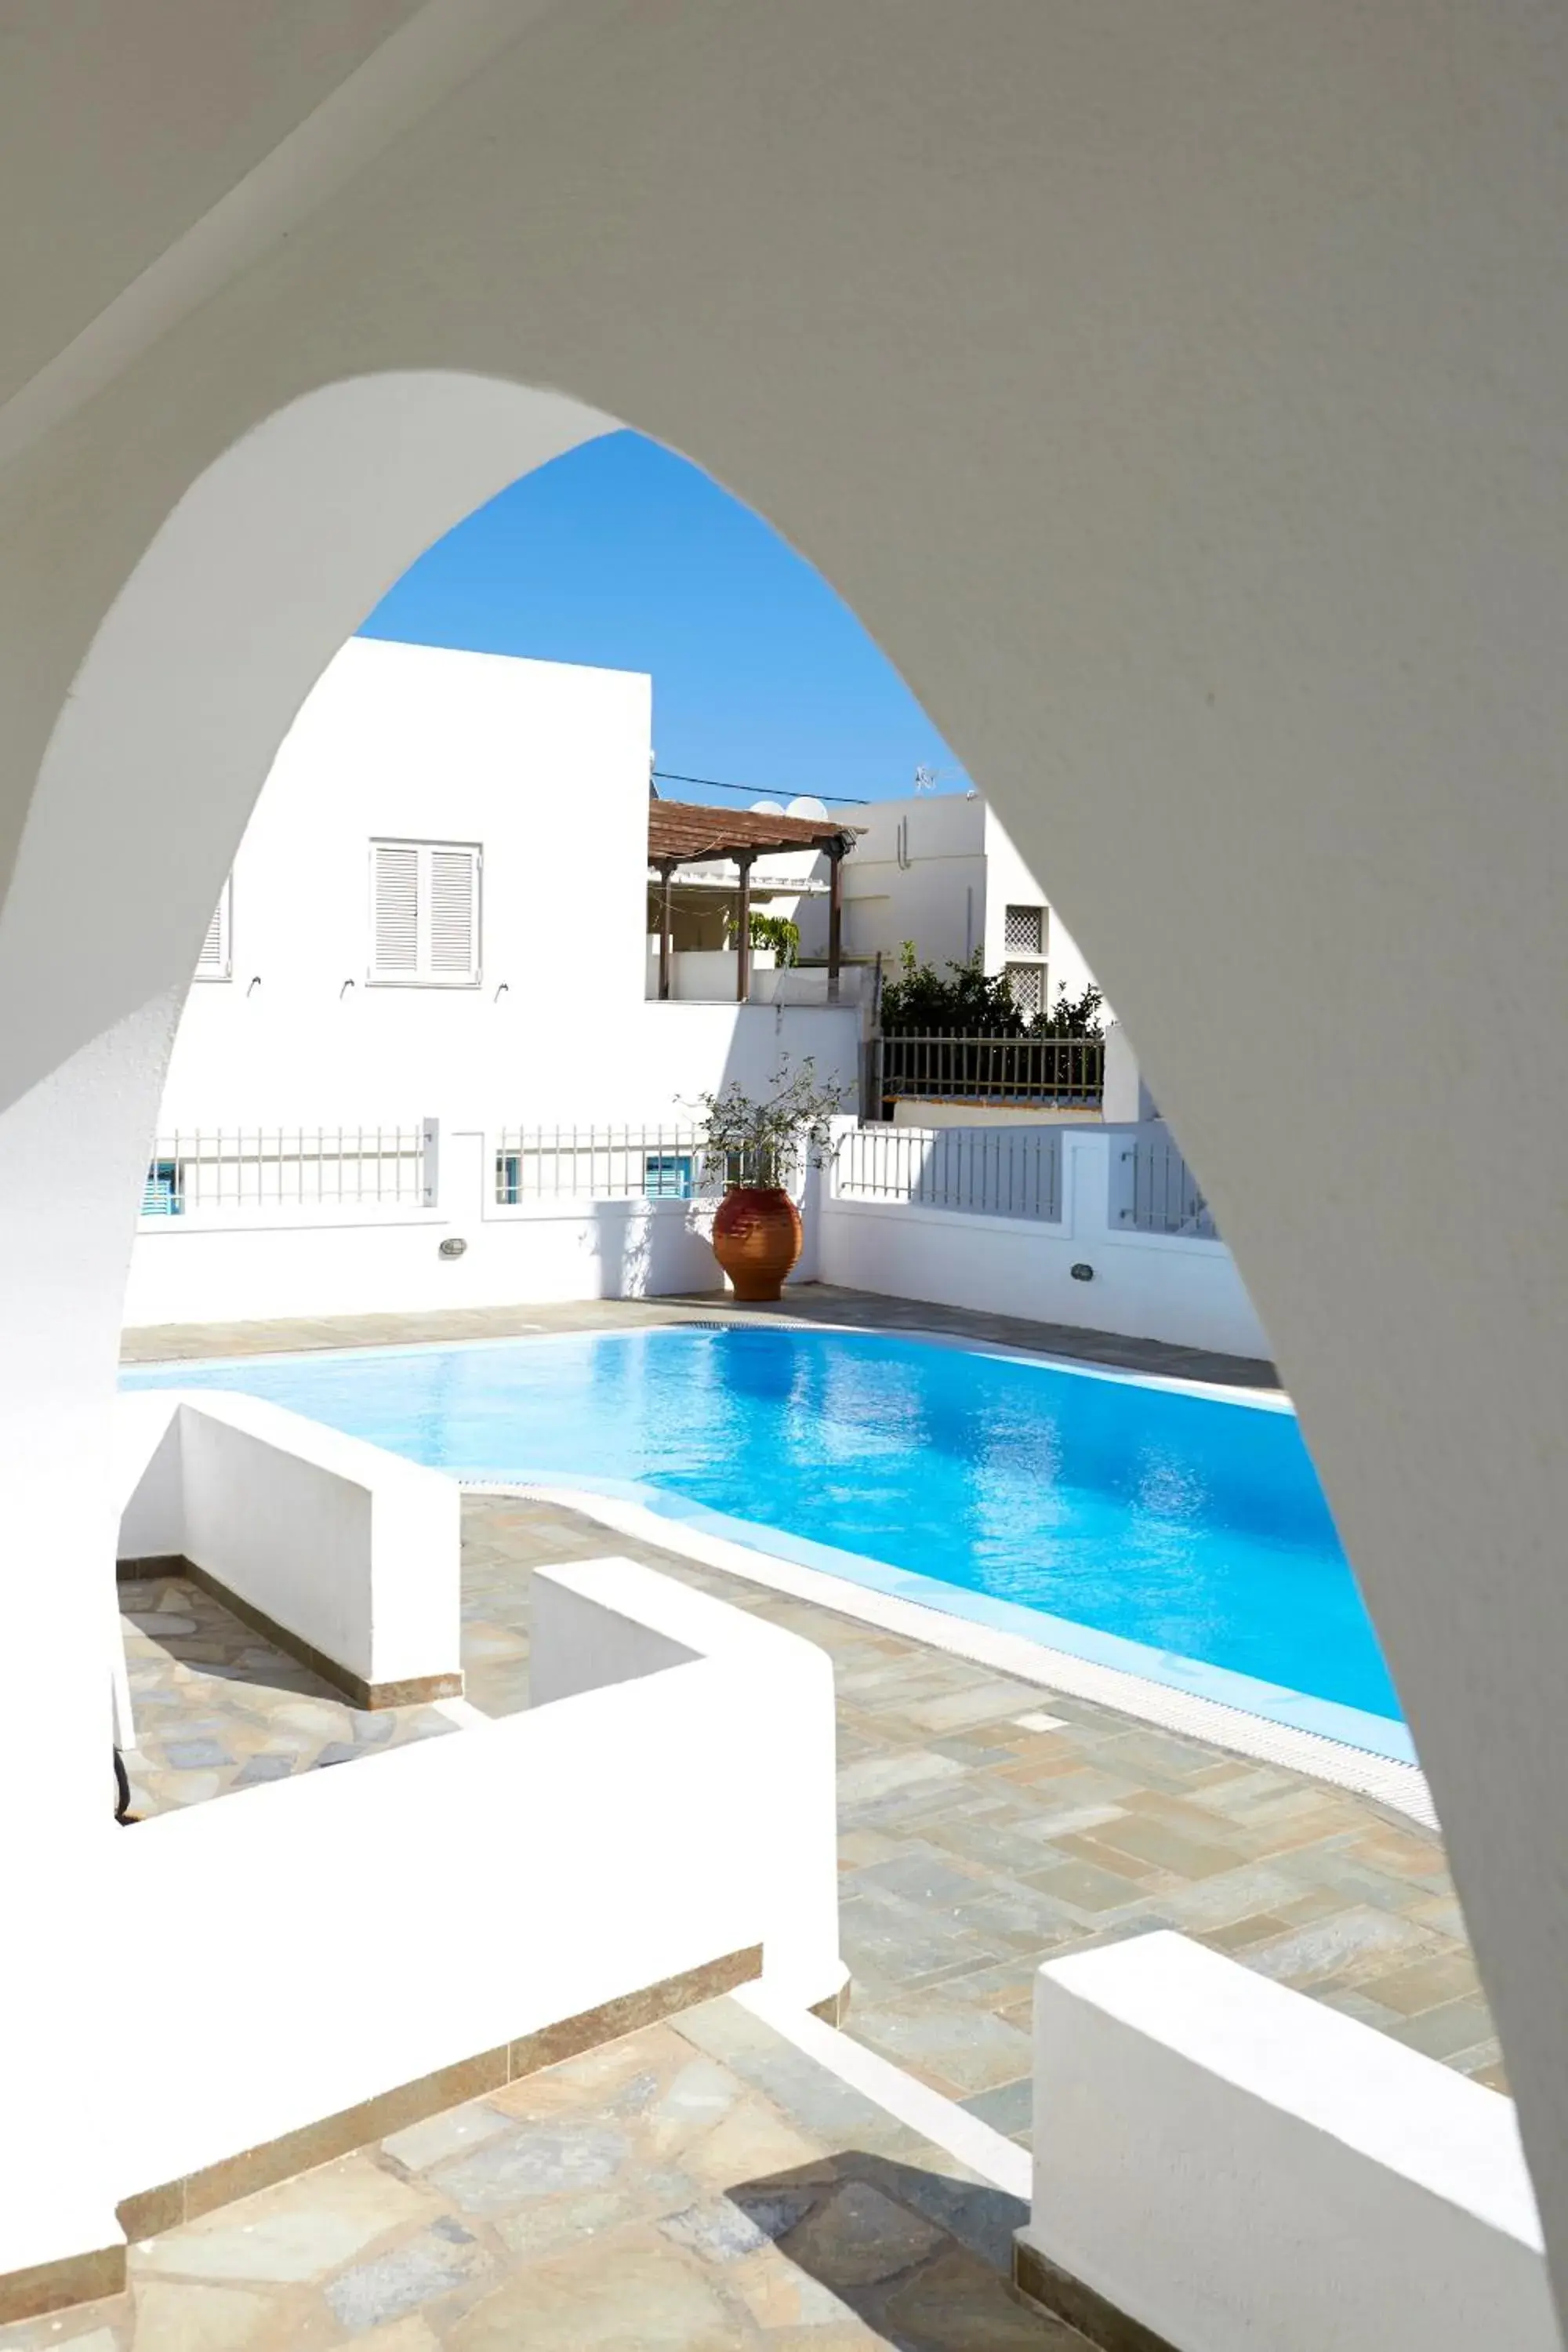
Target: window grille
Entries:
(1027, 986)
(1024, 930)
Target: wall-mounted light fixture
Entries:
(452, 1247)
(1081, 1273)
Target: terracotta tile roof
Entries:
(681, 832)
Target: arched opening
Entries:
(136, 981)
(1177, 395)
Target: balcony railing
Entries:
(1050, 1072)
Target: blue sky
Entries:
(621, 553)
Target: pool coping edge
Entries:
(1162, 1705)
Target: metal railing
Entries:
(1151, 1187)
(197, 1171)
(596, 1163)
(1061, 1071)
(992, 1172)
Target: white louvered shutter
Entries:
(213, 962)
(394, 915)
(454, 934)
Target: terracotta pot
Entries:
(756, 1239)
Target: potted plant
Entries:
(753, 1148)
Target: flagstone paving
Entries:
(218, 1709)
(697, 2186)
(987, 1825)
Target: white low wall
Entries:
(707, 976)
(924, 1113)
(233, 1266)
(228, 1271)
(1239, 2168)
(442, 1899)
(1145, 1286)
(353, 1550)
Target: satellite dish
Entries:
(807, 804)
(767, 808)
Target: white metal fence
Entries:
(994, 1172)
(1153, 1189)
(999, 1171)
(194, 1171)
(596, 1163)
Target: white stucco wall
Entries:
(545, 765)
(1147, 1285)
(1182, 412)
(937, 898)
(677, 1879)
(350, 1549)
(1298, 2178)
(1009, 882)
(942, 870)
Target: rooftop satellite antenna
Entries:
(925, 780)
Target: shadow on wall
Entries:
(917, 2256)
(651, 1248)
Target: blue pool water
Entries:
(1114, 1512)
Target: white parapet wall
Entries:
(670, 1806)
(468, 1250)
(349, 1552)
(1236, 2168)
(1079, 1269)
(613, 1622)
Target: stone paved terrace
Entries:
(700, 2186)
(216, 1707)
(983, 1824)
(987, 1825)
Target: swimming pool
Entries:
(1177, 1535)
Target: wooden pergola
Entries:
(684, 833)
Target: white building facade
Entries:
(420, 1018)
(440, 899)
(940, 870)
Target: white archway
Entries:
(266, 564)
(1177, 396)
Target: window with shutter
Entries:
(396, 920)
(425, 913)
(213, 963)
(454, 893)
